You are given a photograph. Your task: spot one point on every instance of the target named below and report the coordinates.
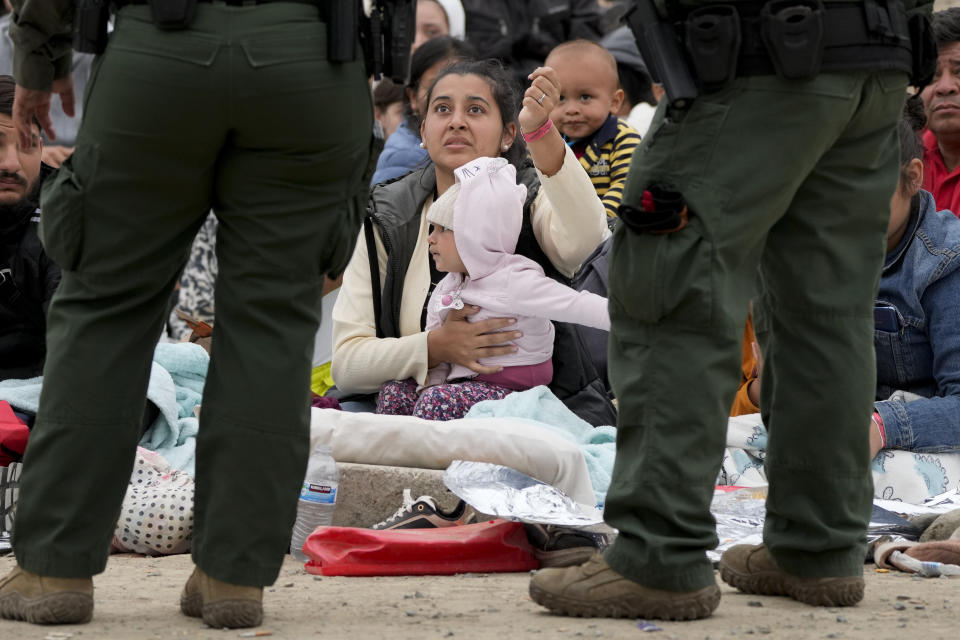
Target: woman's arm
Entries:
(568, 217)
(361, 361)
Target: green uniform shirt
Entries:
(42, 33)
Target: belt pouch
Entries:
(712, 37)
(172, 15)
(792, 31)
(343, 23)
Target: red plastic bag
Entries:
(485, 547)
(13, 436)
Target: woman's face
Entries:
(418, 101)
(462, 122)
(431, 22)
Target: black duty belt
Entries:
(856, 34)
(232, 3)
(848, 43)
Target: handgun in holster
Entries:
(386, 37)
(660, 47)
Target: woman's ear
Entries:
(509, 135)
(915, 174)
(412, 100)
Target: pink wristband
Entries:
(881, 430)
(533, 136)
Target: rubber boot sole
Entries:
(233, 614)
(54, 608)
(819, 592)
(673, 606)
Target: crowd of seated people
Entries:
(557, 111)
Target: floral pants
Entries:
(442, 402)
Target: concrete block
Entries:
(369, 493)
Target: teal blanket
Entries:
(540, 406)
(176, 387)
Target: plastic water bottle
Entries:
(318, 497)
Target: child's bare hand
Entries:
(539, 99)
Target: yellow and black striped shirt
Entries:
(606, 158)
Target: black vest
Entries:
(395, 207)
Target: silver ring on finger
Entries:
(540, 99)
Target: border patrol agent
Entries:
(195, 104)
(782, 155)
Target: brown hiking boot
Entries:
(44, 600)
(594, 590)
(750, 569)
(221, 604)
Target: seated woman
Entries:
(474, 230)
(917, 336)
(402, 152)
(378, 323)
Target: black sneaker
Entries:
(559, 546)
(423, 513)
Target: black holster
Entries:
(386, 38)
(173, 15)
(343, 25)
(90, 26)
(923, 49)
(660, 47)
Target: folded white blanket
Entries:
(405, 441)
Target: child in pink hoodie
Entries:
(476, 224)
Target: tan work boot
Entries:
(221, 604)
(44, 600)
(750, 569)
(594, 590)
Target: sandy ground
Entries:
(137, 598)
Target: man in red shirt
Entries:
(941, 98)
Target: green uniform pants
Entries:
(240, 113)
(793, 178)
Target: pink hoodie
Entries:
(487, 217)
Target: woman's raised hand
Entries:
(539, 99)
(465, 343)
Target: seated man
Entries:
(941, 99)
(27, 277)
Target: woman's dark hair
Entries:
(636, 85)
(386, 93)
(428, 54)
(504, 93)
(912, 121)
